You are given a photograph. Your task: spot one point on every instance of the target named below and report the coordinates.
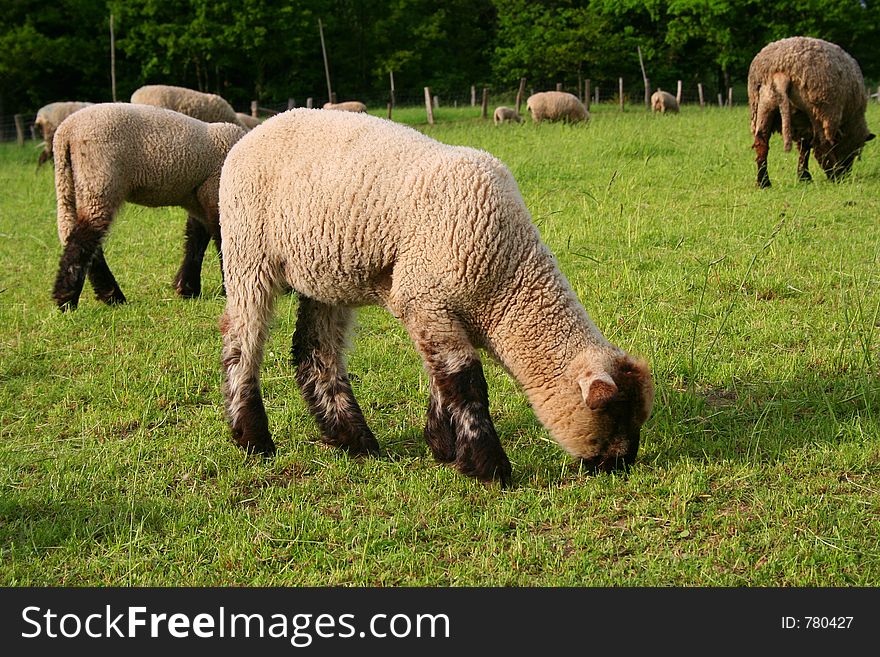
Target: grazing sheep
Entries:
(556, 106)
(351, 210)
(115, 152)
(663, 101)
(209, 108)
(347, 106)
(505, 115)
(49, 117)
(812, 92)
(248, 121)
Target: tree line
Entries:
(270, 50)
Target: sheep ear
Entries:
(870, 136)
(597, 389)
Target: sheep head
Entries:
(597, 408)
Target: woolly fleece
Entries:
(556, 106)
(349, 209)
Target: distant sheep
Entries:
(209, 108)
(352, 210)
(49, 117)
(506, 115)
(248, 121)
(347, 106)
(556, 106)
(812, 92)
(111, 153)
(663, 101)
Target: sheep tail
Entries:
(65, 192)
(781, 83)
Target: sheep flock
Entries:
(346, 209)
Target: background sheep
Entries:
(351, 210)
(812, 92)
(115, 152)
(49, 117)
(663, 101)
(556, 106)
(248, 121)
(347, 106)
(209, 108)
(505, 115)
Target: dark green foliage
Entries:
(270, 50)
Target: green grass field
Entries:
(759, 312)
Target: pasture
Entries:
(759, 312)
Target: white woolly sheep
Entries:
(505, 115)
(209, 108)
(49, 117)
(556, 106)
(812, 91)
(111, 153)
(663, 101)
(351, 210)
(248, 121)
(347, 106)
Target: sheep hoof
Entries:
(113, 298)
(257, 445)
(356, 443)
(489, 464)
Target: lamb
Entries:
(49, 117)
(556, 106)
(347, 106)
(505, 115)
(248, 121)
(811, 91)
(351, 210)
(110, 153)
(663, 101)
(209, 108)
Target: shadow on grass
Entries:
(38, 528)
(761, 422)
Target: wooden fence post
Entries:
(620, 91)
(587, 94)
(720, 100)
(520, 93)
(484, 110)
(309, 102)
(391, 75)
(428, 108)
(678, 94)
(436, 101)
(700, 91)
(730, 96)
(254, 112)
(473, 95)
(19, 130)
(558, 86)
(333, 97)
(597, 95)
(390, 107)
(645, 80)
(291, 103)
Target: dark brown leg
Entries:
(804, 146)
(82, 244)
(318, 344)
(188, 281)
(459, 426)
(762, 148)
(103, 282)
(439, 433)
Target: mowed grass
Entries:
(758, 311)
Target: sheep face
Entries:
(836, 159)
(599, 411)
